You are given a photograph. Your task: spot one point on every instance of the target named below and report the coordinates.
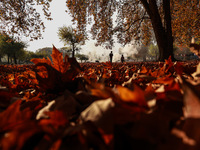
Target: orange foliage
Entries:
(100, 105)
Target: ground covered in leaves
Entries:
(66, 105)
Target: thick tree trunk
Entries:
(168, 27)
(162, 31)
(15, 59)
(8, 59)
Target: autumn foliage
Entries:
(66, 105)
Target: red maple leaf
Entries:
(53, 77)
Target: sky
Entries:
(50, 37)
(60, 18)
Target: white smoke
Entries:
(128, 51)
(102, 55)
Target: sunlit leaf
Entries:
(191, 100)
(136, 96)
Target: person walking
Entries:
(111, 56)
(122, 59)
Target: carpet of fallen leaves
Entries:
(66, 105)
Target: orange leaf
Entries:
(19, 137)
(165, 80)
(169, 63)
(56, 145)
(135, 96)
(53, 81)
(106, 137)
(144, 70)
(191, 99)
(56, 119)
(43, 60)
(57, 58)
(179, 68)
(149, 92)
(101, 91)
(108, 64)
(13, 116)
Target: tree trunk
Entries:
(163, 33)
(144, 58)
(15, 59)
(73, 50)
(8, 57)
(168, 27)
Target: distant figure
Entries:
(122, 59)
(111, 56)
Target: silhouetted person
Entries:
(111, 56)
(122, 59)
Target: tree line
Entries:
(14, 51)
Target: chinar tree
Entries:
(185, 21)
(134, 19)
(20, 17)
(69, 36)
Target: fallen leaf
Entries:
(191, 99)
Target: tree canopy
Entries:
(139, 19)
(10, 47)
(20, 17)
(185, 21)
(69, 36)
